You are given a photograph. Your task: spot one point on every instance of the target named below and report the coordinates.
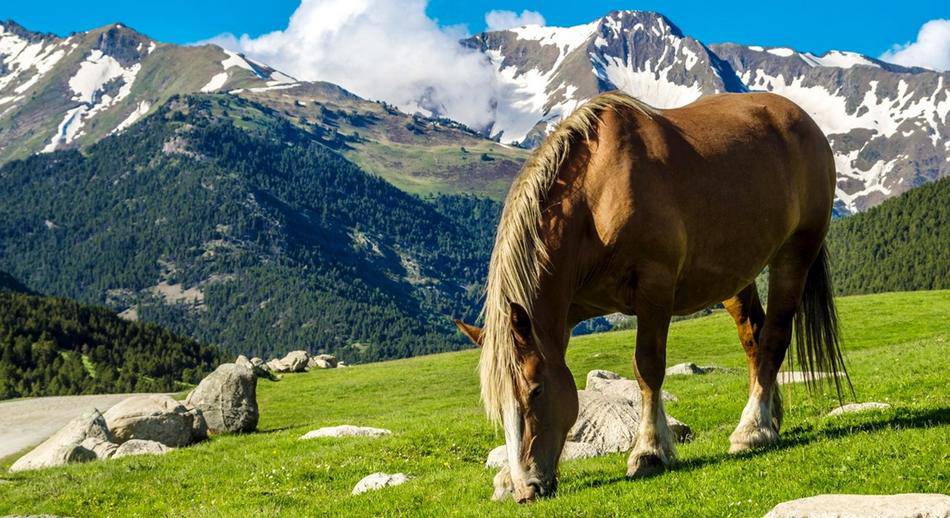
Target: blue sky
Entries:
(869, 27)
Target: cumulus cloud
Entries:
(931, 50)
(379, 49)
(501, 20)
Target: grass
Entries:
(896, 346)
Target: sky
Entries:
(869, 27)
(407, 52)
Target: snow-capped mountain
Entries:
(887, 124)
(62, 92)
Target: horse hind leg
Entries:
(758, 425)
(762, 416)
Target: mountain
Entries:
(53, 346)
(63, 93)
(899, 245)
(221, 219)
(887, 124)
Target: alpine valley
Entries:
(196, 188)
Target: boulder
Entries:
(64, 446)
(909, 505)
(155, 417)
(379, 481)
(346, 431)
(612, 384)
(140, 447)
(243, 361)
(275, 365)
(257, 366)
(609, 423)
(101, 448)
(572, 450)
(322, 361)
(296, 361)
(688, 369)
(853, 408)
(227, 398)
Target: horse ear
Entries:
(520, 323)
(473, 333)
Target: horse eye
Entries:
(535, 391)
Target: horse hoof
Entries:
(752, 439)
(645, 466)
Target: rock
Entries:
(609, 423)
(908, 505)
(243, 361)
(379, 481)
(275, 365)
(346, 431)
(341, 364)
(257, 366)
(322, 361)
(688, 369)
(786, 377)
(852, 408)
(296, 361)
(612, 384)
(155, 417)
(102, 449)
(140, 447)
(227, 398)
(64, 446)
(572, 450)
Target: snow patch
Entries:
(838, 59)
(216, 82)
(136, 114)
(781, 52)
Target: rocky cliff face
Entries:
(887, 124)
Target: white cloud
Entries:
(931, 50)
(379, 49)
(501, 20)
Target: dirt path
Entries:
(25, 422)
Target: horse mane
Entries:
(520, 255)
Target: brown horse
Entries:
(655, 213)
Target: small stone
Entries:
(853, 408)
(378, 481)
(687, 369)
(909, 505)
(140, 447)
(498, 457)
(345, 431)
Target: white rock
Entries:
(786, 377)
(346, 431)
(155, 417)
(610, 423)
(103, 449)
(687, 369)
(613, 384)
(140, 447)
(852, 408)
(322, 361)
(296, 361)
(64, 446)
(227, 398)
(498, 457)
(910, 505)
(378, 481)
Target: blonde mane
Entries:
(520, 255)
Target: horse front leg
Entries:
(654, 449)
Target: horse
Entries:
(626, 208)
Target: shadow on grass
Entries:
(802, 435)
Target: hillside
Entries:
(53, 346)
(895, 344)
(899, 245)
(222, 220)
(66, 93)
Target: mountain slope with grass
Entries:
(51, 346)
(901, 244)
(895, 346)
(222, 220)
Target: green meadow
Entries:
(897, 350)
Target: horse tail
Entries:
(817, 342)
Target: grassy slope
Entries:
(897, 349)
